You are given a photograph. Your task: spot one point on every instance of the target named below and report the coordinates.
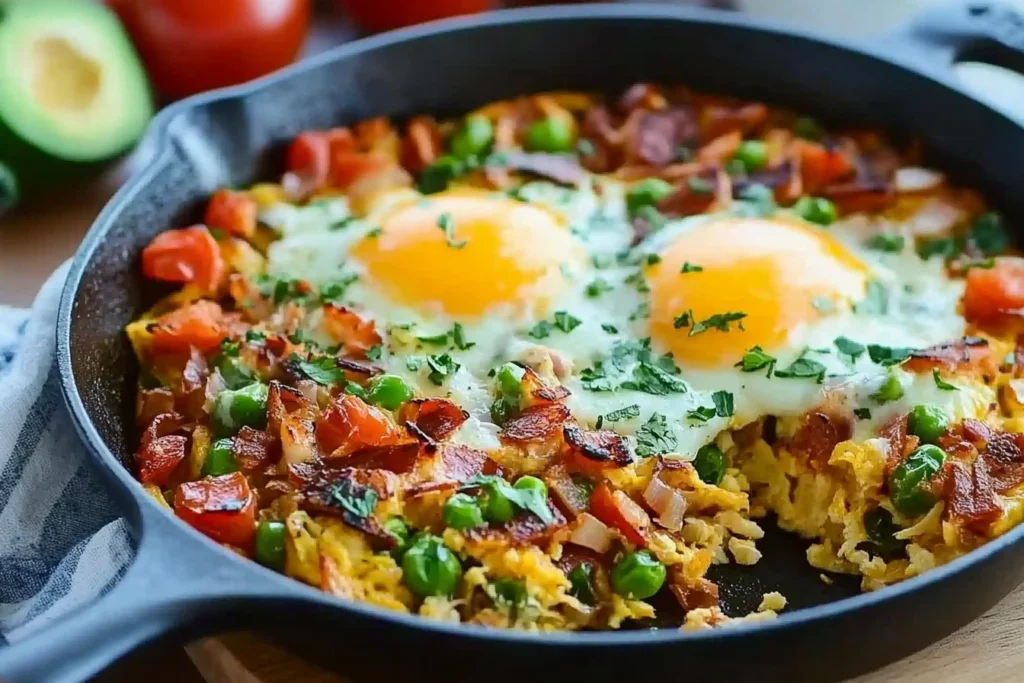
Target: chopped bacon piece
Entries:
(460, 463)
(689, 596)
(600, 129)
(223, 508)
(540, 392)
(698, 194)
(970, 354)
(572, 497)
(718, 119)
(1004, 457)
(163, 425)
(823, 165)
(282, 401)
(525, 529)
(818, 436)
(233, 212)
(422, 144)
(900, 442)
(349, 493)
(437, 418)
(158, 458)
(641, 96)
(399, 458)
(659, 134)
(349, 424)
(560, 168)
(969, 491)
(593, 451)
(252, 449)
(191, 389)
(620, 512)
(536, 423)
(199, 324)
(152, 402)
(348, 328)
(860, 196)
(721, 149)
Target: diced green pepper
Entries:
(220, 460)
(270, 544)
(237, 408)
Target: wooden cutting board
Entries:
(989, 649)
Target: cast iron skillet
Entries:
(183, 585)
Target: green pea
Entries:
(752, 154)
(430, 568)
(927, 422)
(582, 584)
(270, 544)
(908, 483)
(807, 128)
(816, 210)
(397, 529)
(510, 378)
(891, 390)
(439, 174)
(236, 374)
(473, 138)
(710, 464)
(389, 391)
(462, 511)
(638, 575)
(497, 508)
(530, 483)
(551, 134)
(237, 408)
(220, 460)
(646, 193)
(881, 529)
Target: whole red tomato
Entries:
(383, 15)
(190, 46)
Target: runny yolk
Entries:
(781, 274)
(466, 253)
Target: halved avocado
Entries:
(73, 93)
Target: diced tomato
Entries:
(350, 424)
(186, 255)
(158, 458)
(994, 293)
(821, 165)
(348, 167)
(618, 511)
(199, 324)
(232, 211)
(223, 508)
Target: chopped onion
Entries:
(1017, 385)
(917, 179)
(307, 388)
(667, 502)
(590, 532)
(214, 385)
(935, 217)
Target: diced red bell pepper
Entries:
(223, 508)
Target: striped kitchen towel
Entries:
(61, 542)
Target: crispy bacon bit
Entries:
(348, 328)
(1004, 457)
(282, 401)
(459, 463)
(721, 149)
(690, 597)
(860, 196)
(593, 451)
(560, 168)
(335, 491)
(567, 493)
(349, 424)
(526, 529)
(718, 119)
(252, 449)
(223, 508)
(437, 418)
(158, 458)
(620, 512)
(818, 436)
(536, 423)
(152, 402)
(641, 96)
(162, 425)
(697, 194)
(601, 131)
(191, 389)
(900, 443)
(970, 495)
(970, 354)
(659, 134)
(422, 144)
(398, 458)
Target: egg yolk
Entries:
(781, 274)
(466, 252)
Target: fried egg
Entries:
(708, 323)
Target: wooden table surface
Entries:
(38, 236)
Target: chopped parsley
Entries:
(848, 347)
(627, 413)
(723, 403)
(374, 232)
(862, 413)
(654, 437)
(529, 499)
(638, 281)
(373, 353)
(887, 355)
(459, 338)
(876, 300)
(719, 321)
(701, 414)
(353, 499)
(652, 379)
(682, 320)
(803, 368)
(989, 235)
(691, 268)
(566, 322)
(333, 292)
(609, 328)
(642, 311)
(941, 383)
(887, 242)
(597, 288)
(441, 368)
(447, 224)
(230, 348)
(756, 359)
(323, 370)
(653, 259)
(635, 367)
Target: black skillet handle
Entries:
(173, 582)
(983, 31)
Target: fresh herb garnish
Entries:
(684, 319)
(642, 311)
(653, 259)
(654, 437)
(723, 403)
(637, 280)
(441, 368)
(941, 383)
(566, 322)
(701, 414)
(230, 348)
(627, 413)
(255, 337)
(447, 224)
(862, 413)
(887, 242)
(989, 235)
(529, 499)
(333, 292)
(876, 300)
(887, 355)
(597, 288)
(459, 338)
(373, 353)
(691, 268)
(803, 368)
(541, 330)
(353, 499)
(756, 359)
(719, 321)
(323, 370)
(848, 347)
(609, 328)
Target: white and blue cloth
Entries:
(61, 541)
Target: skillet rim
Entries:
(290, 589)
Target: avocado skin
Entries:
(37, 170)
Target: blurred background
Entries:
(80, 79)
